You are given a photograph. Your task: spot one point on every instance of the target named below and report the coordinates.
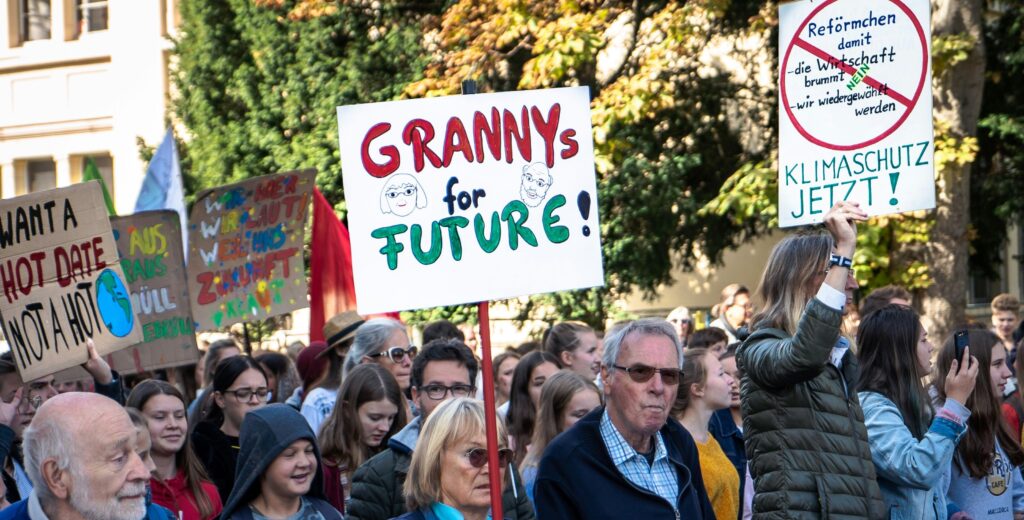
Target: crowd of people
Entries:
(799, 406)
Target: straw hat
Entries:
(340, 328)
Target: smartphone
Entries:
(960, 342)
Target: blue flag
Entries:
(162, 187)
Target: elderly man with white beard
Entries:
(80, 451)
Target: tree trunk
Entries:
(957, 98)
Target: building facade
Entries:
(82, 79)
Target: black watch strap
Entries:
(840, 261)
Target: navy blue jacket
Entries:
(577, 479)
(730, 438)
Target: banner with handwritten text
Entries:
(855, 107)
(149, 244)
(245, 245)
(470, 198)
(62, 281)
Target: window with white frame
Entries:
(34, 20)
(40, 175)
(91, 16)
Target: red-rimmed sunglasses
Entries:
(478, 457)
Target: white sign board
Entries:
(470, 198)
(855, 105)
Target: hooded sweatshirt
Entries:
(218, 452)
(266, 432)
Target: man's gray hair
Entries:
(46, 441)
(613, 342)
(371, 338)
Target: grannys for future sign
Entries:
(855, 107)
(61, 280)
(471, 198)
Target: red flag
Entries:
(331, 289)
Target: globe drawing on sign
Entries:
(114, 303)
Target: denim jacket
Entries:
(912, 473)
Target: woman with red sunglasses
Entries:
(449, 473)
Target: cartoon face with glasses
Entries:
(402, 194)
(535, 183)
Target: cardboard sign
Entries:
(61, 280)
(470, 198)
(149, 244)
(855, 106)
(245, 245)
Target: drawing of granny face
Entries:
(402, 194)
(536, 181)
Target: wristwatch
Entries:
(840, 261)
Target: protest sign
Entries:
(149, 244)
(470, 198)
(245, 245)
(855, 107)
(62, 281)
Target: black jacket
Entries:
(218, 453)
(377, 484)
(578, 480)
(266, 432)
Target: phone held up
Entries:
(960, 342)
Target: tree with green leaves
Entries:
(684, 116)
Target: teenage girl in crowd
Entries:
(574, 344)
(531, 373)
(239, 387)
(986, 480)
(564, 400)
(912, 445)
(368, 412)
(504, 368)
(179, 482)
(282, 378)
(704, 389)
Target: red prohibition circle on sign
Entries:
(908, 107)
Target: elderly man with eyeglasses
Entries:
(444, 370)
(628, 459)
(18, 404)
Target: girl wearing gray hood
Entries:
(278, 476)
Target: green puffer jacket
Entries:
(803, 424)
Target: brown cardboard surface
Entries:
(149, 244)
(245, 249)
(61, 280)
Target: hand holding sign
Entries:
(96, 366)
(841, 222)
(9, 411)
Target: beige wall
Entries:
(702, 288)
(91, 94)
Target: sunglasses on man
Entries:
(643, 373)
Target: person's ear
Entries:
(566, 357)
(365, 359)
(57, 480)
(219, 399)
(697, 390)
